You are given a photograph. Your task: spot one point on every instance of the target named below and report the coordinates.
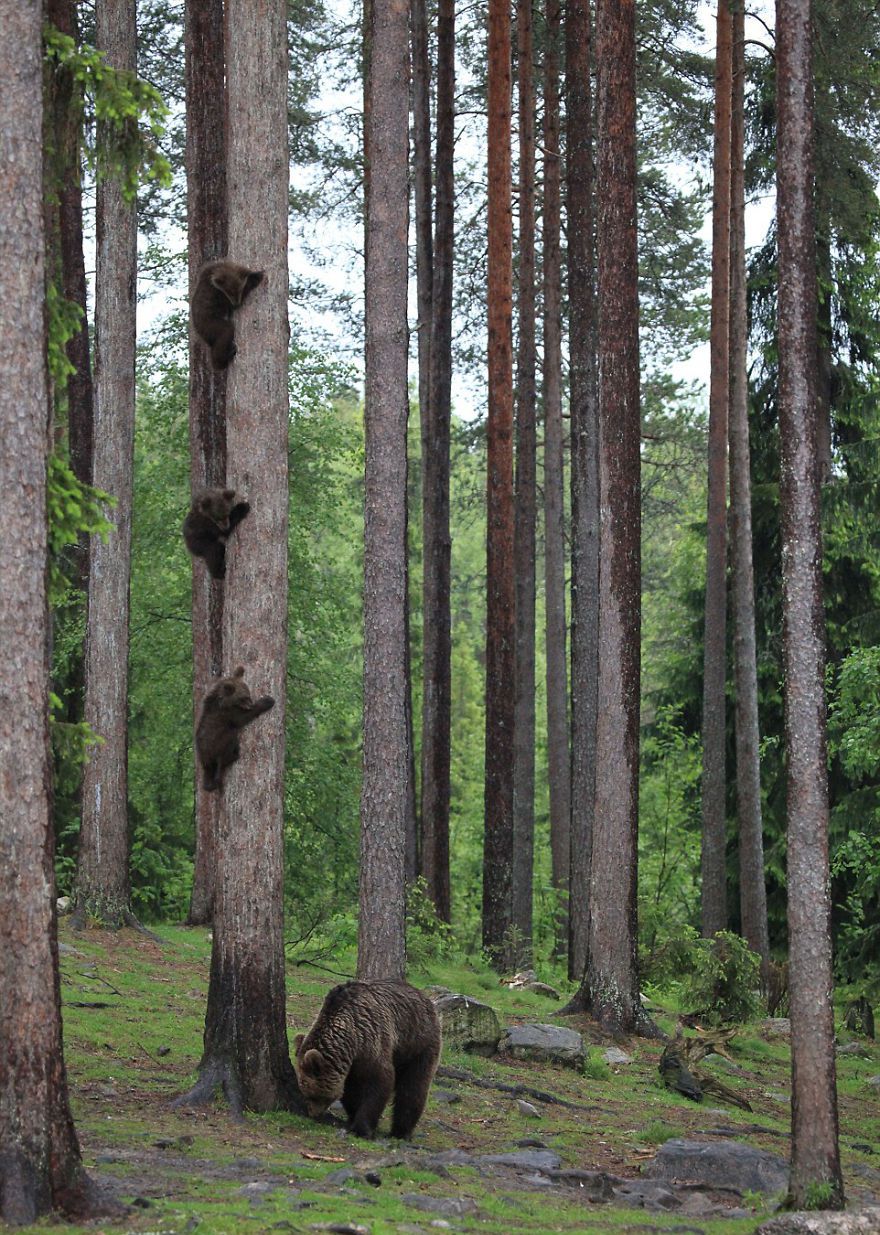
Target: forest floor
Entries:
(133, 1020)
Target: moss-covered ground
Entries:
(133, 1020)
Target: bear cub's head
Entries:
(217, 505)
(320, 1081)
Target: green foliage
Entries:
(723, 981)
(819, 1194)
(124, 116)
(595, 1067)
(428, 938)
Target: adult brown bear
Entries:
(371, 1039)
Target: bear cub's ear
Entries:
(229, 494)
(239, 672)
(313, 1061)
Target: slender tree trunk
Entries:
(102, 889)
(246, 1049)
(753, 893)
(437, 677)
(525, 508)
(381, 928)
(40, 1166)
(500, 597)
(558, 751)
(713, 899)
(583, 382)
(207, 228)
(815, 1156)
(825, 367)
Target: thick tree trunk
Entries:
(208, 240)
(525, 509)
(437, 654)
(815, 1156)
(583, 383)
(500, 597)
(246, 1050)
(40, 1167)
(558, 751)
(714, 798)
(102, 888)
(753, 893)
(381, 926)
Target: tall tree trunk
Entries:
(208, 237)
(713, 898)
(753, 893)
(436, 616)
(583, 381)
(525, 508)
(381, 926)
(102, 888)
(500, 597)
(40, 1166)
(558, 751)
(246, 1049)
(815, 1156)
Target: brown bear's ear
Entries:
(239, 673)
(297, 1042)
(313, 1061)
(229, 494)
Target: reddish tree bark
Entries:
(381, 925)
(525, 503)
(713, 897)
(753, 893)
(500, 598)
(815, 1154)
(558, 752)
(437, 652)
(584, 398)
(208, 240)
(40, 1166)
(102, 888)
(246, 1049)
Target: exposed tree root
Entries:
(96, 912)
(213, 1077)
(516, 1091)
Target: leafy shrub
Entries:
(722, 984)
(428, 937)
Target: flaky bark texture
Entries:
(381, 925)
(815, 1155)
(500, 598)
(611, 989)
(102, 889)
(713, 902)
(558, 752)
(207, 228)
(437, 651)
(40, 1167)
(753, 893)
(525, 509)
(583, 383)
(246, 1050)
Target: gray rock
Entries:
(776, 1027)
(449, 1157)
(543, 1160)
(343, 1176)
(824, 1222)
(594, 1185)
(527, 980)
(468, 1025)
(644, 1194)
(544, 1043)
(614, 1055)
(874, 1080)
(724, 1164)
(446, 1097)
(62, 904)
(526, 1108)
(451, 1206)
(853, 1048)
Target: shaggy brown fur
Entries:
(221, 287)
(371, 1038)
(227, 709)
(213, 517)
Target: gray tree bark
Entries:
(381, 924)
(558, 751)
(246, 1048)
(753, 892)
(40, 1166)
(526, 504)
(815, 1153)
(102, 889)
(583, 383)
(713, 901)
(208, 240)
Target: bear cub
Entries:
(227, 709)
(213, 517)
(371, 1039)
(221, 287)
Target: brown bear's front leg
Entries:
(375, 1094)
(411, 1085)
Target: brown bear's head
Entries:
(217, 505)
(320, 1081)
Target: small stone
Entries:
(531, 1142)
(62, 904)
(256, 1187)
(526, 1108)
(874, 1080)
(162, 1051)
(525, 1159)
(446, 1097)
(853, 1048)
(342, 1176)
(247, 1164)
(451, 1206)
(818, 1222)
(141, 1202)
(614, 1055)
(776, 1027)
(373, 1178)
